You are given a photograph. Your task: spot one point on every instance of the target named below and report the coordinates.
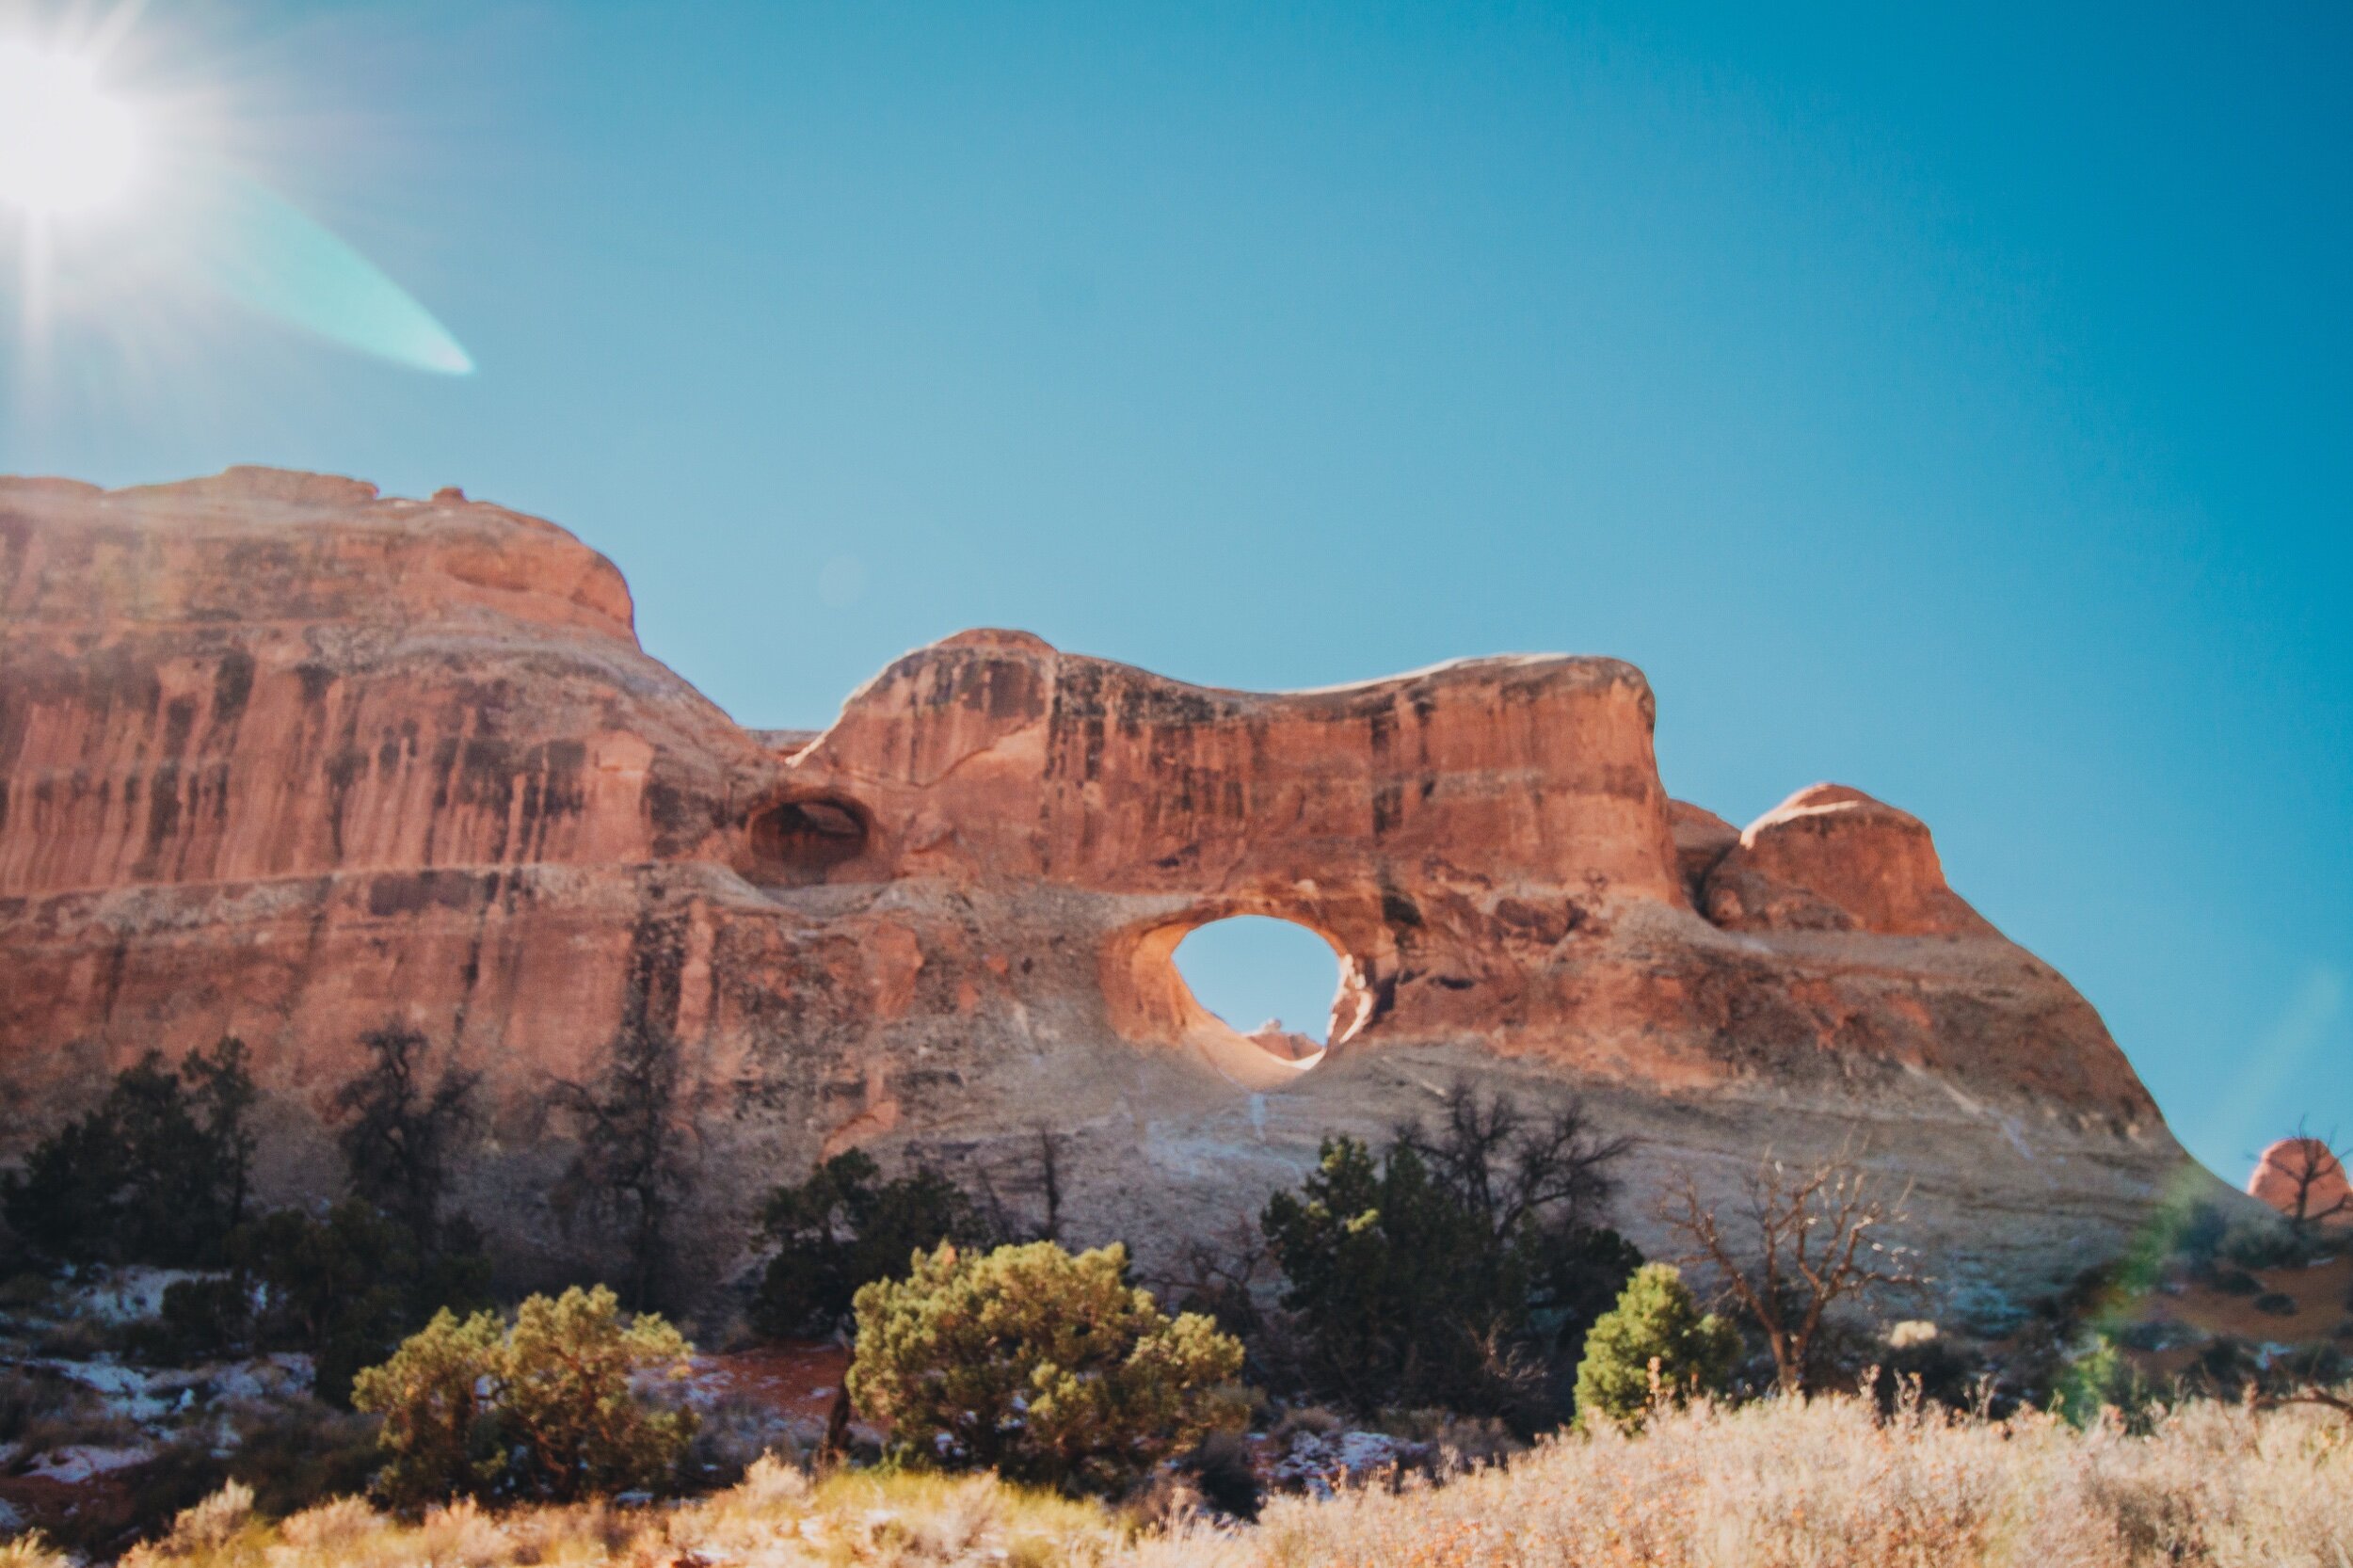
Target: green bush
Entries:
(298, 1454)
(440, 1433)
(346, 1284)
(845, 1227)
(1458, 1270)
(156, 1173)
(2268, 1244)
(565, 1396)
(206, 1317)
(343, 1286)
(544, 1408)
(1656, 1320)
(2101, 1378)
(1394, 1284)
(1046, 1368)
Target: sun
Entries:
(65, 147)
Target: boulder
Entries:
(2303, 1179)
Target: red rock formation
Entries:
(1286, 1045)
(283, 758)
(1831, 858)
(1701, 838)
(2303, 1179)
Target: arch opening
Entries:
(796, 843)
(1273, 982)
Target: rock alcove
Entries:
(798, 844)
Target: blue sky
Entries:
(1953, 404)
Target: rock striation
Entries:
(285, 758)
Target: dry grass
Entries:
(1774, 1485)
(1784, 1484)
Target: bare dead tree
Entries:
(1039, 1176)
(1230, 1276)
(1221, 1275)
(1806, 1243)
(2313, 1167)
(1508, 1167)
(1050, 1180)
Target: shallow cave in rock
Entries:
(798, 843)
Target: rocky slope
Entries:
(283, 758)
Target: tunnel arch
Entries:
(1270, 979)
(1150, 1001)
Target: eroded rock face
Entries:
(283, 758)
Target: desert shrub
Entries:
(1830, 1481)
(2237, 1282)
(329, 1527)
(434, 1396)
(28, 1398)
(202, 1317)
(2226, 1366)
(2099, 1379)
(32, 1550)
(1043, 1367)
(1655, 1344)
(1919, 1362)
(212, 1523)
(27, 1292)
(2268, 1244)
(1458, 1267)
(77, 1339)
(544, 1408)
(344, 1285)
(295, 1454)
(2197, 1232)
(565, 1398)
(2312, 1365)
(108, 1519)
(2275, 1304)
(156, 1173)
(731, 1433)
(845, 1227)
(1222, 1470)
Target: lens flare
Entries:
(65, 147)
(264, 253)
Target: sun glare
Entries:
(65, 146)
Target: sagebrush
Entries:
(1781, 1483)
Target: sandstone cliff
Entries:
(283, 758)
